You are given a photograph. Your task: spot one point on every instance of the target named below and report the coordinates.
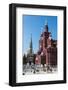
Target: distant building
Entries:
(47, 53)
(30, 54)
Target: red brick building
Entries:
(47, 53)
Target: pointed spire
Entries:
(31, 46)
(46, 22)
(46, 26)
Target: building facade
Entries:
(47, 53)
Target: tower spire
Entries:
(46, 22)
(31, 46)
(46, 26)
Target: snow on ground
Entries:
(37, 69)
